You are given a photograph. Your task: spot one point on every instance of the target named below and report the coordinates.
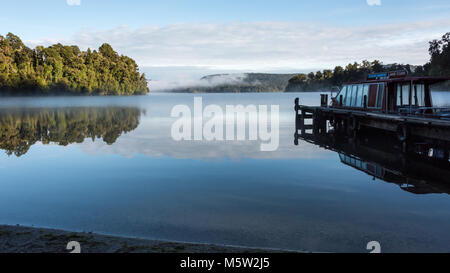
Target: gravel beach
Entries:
(20, 239)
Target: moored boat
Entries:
(391, 101)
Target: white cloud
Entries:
(266, 46)
(373, 2)
(184, 81)
(73, 2)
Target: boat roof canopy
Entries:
(428, 80)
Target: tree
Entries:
(67, 69)
(14, 41)
(107, 51)
(318, 76)
(439, 50)
(328, 74)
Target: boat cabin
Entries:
(388, 92)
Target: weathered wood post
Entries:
(323, 125)
(297, 108)
(297, 120)
(303, 122)
(315, 121)
(323, 100)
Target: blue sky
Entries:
(256, 35)
(40, 18)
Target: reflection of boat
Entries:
(22, 128)
(424, 169)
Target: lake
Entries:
(110, 165)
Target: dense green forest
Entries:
(20, 129)
(60, 69)
(439, 65)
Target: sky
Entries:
(175, 38)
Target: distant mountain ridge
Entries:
(239, 83)
(295, 82)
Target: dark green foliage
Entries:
(60, 69)
(439, 50)
(326, 79)
(20, 129)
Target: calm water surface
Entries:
(109, 165)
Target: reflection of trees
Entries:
(20, 129)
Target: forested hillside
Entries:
(60, 69)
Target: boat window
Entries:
(419, 95)
(403, 94)
(363, 165)
(355, 95)
(358, 163)
(359, 100)
(352, 97)
(348, 100)
(365, 93)
(380, 95)
(343, 93)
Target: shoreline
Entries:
(23, 239)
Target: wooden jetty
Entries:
(390, 101)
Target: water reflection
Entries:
(148, 185)
(424, 168)
(22, 128)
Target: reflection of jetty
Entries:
(424, 169)
(386, 101)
